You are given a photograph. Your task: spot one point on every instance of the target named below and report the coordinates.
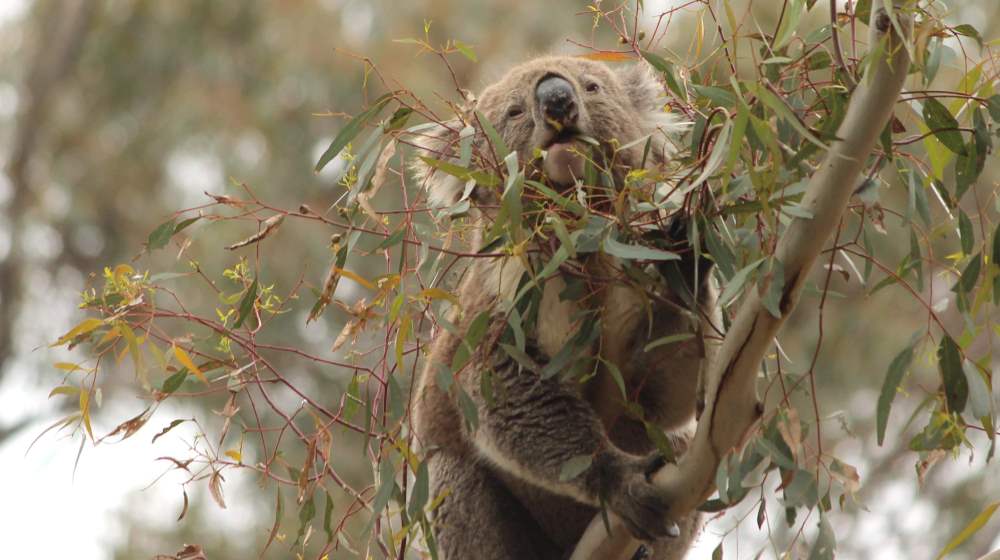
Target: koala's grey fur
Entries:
(503, 494)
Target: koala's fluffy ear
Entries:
(648, 95)
(437, 141)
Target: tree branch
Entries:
(732, 408)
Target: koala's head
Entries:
(548, 104)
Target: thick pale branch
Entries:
(732, 408)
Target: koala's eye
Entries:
(593, 87)
(514, 112)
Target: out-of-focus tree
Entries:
(130, 110)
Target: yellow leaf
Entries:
(85, 411)
(186, 361)
(112, 334)
(405, 326)
(609, 56)
(83, 327)
(356, 277)
(123, 270)
(438, 293)
(66, 366)
(970, 530)
(234, 455)
(64, 390)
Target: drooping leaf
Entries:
(667, 69)
(636, 252)
(173, 424)
(969, 529)
(956, 388)
(736, 283)
(186, 361)
(420, 492)
(789, 23)
(574, 467)
(825, 547)
(246, 304)
(160, 236)
(173, 382)
(890, 386)
(350, 130)
(965, 233)
(944, 125)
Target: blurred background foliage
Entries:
(114, 114)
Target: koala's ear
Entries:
(649, 95)
(436, 141)
(642, 86)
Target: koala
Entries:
(503, 493)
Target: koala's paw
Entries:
(639, 503)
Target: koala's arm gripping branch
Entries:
(530, 427)
(732, 407)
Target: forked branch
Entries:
(732, 408)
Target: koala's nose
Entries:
(558, 103)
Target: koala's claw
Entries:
(654, 462)
(644, 511)
(641, 553)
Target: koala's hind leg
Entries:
(479, 518)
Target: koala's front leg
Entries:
(532, 426)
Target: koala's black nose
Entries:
(557, 101)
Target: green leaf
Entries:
(636, 252)
(160, 236)
(934, 52)
(616, 375)
(398, 119)
(663, 341)
(771, 300)
(466, 51)
(825, 547)
(969, 31)
(993, 106)
(967, 282)
(956, 388)
(980, 396)
(718, 96)
(351, 130)
(735, 284)
(944, 125)
(393, 239)
(185, 223)
(783, 112)
(246, 304)
(967, 168)
(420, 492)
(473, 336)
(499, 146)
(306, 513)
(969, 529)
(328, 517)
(482, 178)
(789, 23)
(574, 467)
(965, 233)
(995, 261)
(890, 386)
(387, 483)
(667, 69)
(173, 382)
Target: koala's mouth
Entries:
(567, 135)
